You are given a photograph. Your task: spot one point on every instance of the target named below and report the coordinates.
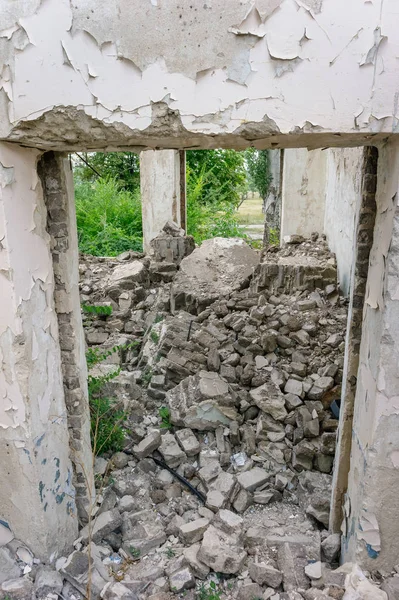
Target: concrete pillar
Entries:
(160, 191)
(303, 192)
(371, 524)
(363, 239)
(57, 181)
(272, 202)
(37, 497)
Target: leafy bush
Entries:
(217, 218)
(108, 218)
(91, 309)
(105, 416)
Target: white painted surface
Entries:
(160, 191)
(36, 493)
(371, 512)
(343, 196)
(243, 71)
(303, 192)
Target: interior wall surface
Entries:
(371, 508)
(37, 500)
(303, 192)
(342, 200)
(272, 73)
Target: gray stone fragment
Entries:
(270, 400)
(188, 441)
(47, 581)
(198, 568)
(17, 589)
(170, 450)
(250, 591)
(252, 479)
(193, 532)
(222, 552)
(181, 580)
(331, 547)
(265, 574)
(9, 568)
(120, 460)
(147, 446)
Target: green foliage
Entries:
(106, 418)
(258, 165)
(210, 592)
(106, 431)
(170, 553)
(123, 167)
(218, 218)
(164, 413)
(154, 335)
(146, 376)
(274, 237)
(91, 309)
(135, 552)
(222, 173)
(108, 218)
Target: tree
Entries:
(223, 172)
(258, 165)
(123, 167)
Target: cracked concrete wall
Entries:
(372, 502)
(160, 191)
(36, 494)
(342, 201)
(303, 192)
(57, 181)
(160, 74)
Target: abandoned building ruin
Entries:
(251, 346)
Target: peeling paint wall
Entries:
(372, 502)
(303, 192)
(160, 74)
(342, 201)
(36, 493)
(57, 181)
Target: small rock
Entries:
(313, 570)
(147, 446)
(47, 582)
(265, 574)
(252, 479)
(331, 547)
(120, 460)
(17, 589)
(193, 531)
(188, 441)
(182, 579)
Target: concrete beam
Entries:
(37, 497)
(160, 191)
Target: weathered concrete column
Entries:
(303, 192)
(362, 241)
(160, 191)
(272, 202)
(37, 498)
(371, 525)
(57, 181)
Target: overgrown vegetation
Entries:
(106, 417)
(91, 309)
(209, 592)
(164, 413)
(108, 206)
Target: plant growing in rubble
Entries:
(91, 309)
(106, 417)
(210, 592)
(164, 413)
(154, 335)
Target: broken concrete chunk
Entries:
(181, 580)
(47, 581)
(265, 574)
(222, 552)
(252, 479)
(8, 566)
(18, 589)
(218, 267)
(193, 532)
(270, 400)
(147, 446)
(331, 547)
(188, 441)
(170, 450)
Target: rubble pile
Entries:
(230, 361)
